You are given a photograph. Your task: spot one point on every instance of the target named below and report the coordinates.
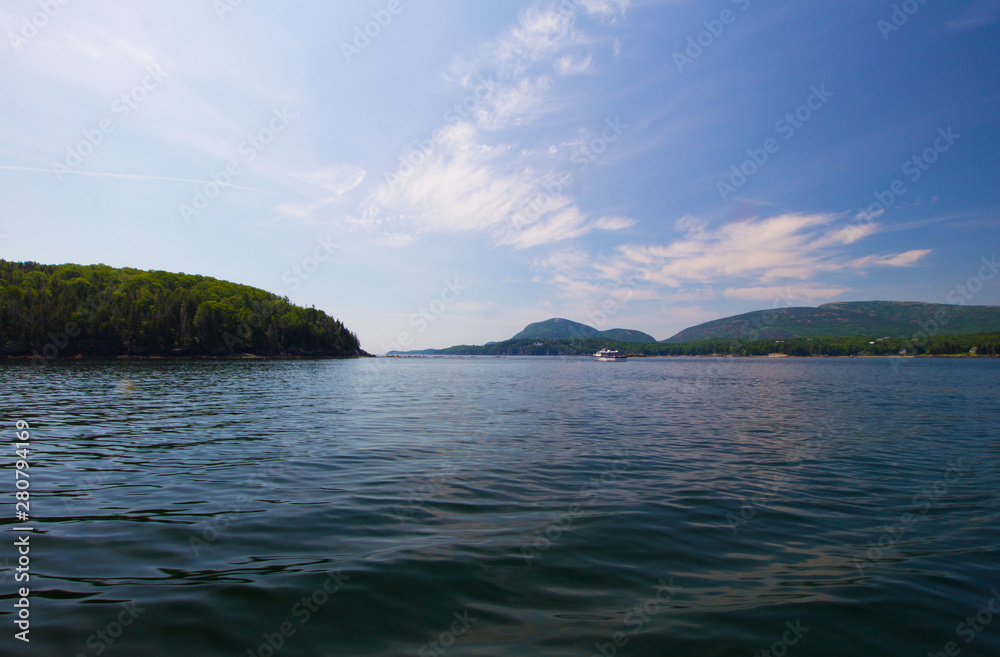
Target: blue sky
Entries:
(437, 173)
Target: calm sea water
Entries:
(508, 507)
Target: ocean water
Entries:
(507, 506)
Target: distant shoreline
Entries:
(79, 357)
(643, 357)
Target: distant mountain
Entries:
(977, 345)
(894, 319)
(564, 329)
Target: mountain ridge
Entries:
(872, 320)
(894, 319)
(559, 328)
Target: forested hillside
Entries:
(893, 319)
(565, 329)
(96, 310)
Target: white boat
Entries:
(610, 355)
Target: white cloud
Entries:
(467, 186)
(570, 259)
(568, 65)
(786, 247)
(332, 183)
(853, 233)
(907, 259)
(337, 179)
(754, 259)
(768, 249)
(605, 8)
(217, 85)
(466, 183)
(614, 223)
(515, 104)
(537, 36)
(459, 188)
(791, 294)
(558, 226)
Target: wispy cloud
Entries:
(330, 184)
(754, 259)
(538, 35)
(132, 176)
(336, 180)
(797, 293)
(606, 8)
(785, 247)
(569, 65)
(217, 88)
(907, 259)
(978, 14)
(468, 182)
(515, 104)
(472, 187)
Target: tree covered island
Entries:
(52, 311)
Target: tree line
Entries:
(96, 310)
(981, 344)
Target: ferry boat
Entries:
(610, 355)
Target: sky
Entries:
(440, 173)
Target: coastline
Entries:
(80, 357)
(645, 357)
